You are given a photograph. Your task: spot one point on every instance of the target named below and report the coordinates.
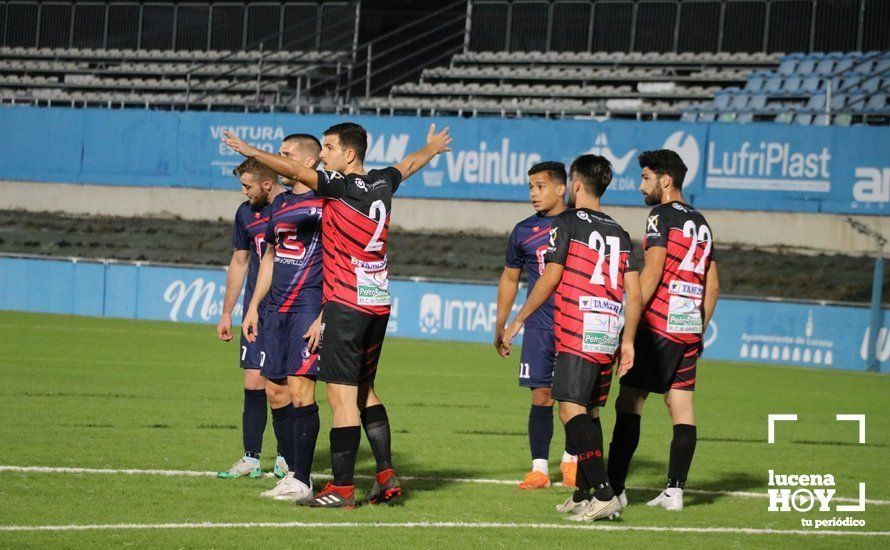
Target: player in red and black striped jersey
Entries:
(680, 288)
(356, 293)
(591, 266)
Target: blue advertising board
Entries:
(811, 335)
(762, 166)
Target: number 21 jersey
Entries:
(587, 311)
(674, 311)
(354, 237)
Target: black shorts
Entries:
(661, 365)
(351, 342)
(580, 381)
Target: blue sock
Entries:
(306, 427)
(540, 431)
(283, 424)
(253, 422)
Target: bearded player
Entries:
(590, 265)
(680, 288)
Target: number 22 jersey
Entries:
(587, 311)
(674, 312)
(354, 237)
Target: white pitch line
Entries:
(441, 525)
(197, 473)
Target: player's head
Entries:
(257, 181)
(303, 148)
(663, 171)
(590, 175)
(344, 146)
(547, 185)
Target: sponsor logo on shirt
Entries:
(683, 288)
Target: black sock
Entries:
(682, 449)
(344, 446)
(283, 424)
(253, 422)
(306, 426)
(625, 437)
(588, 439)
(540, 431)
(376, 424)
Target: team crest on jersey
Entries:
(553, 237)
(331, 175)
(680, 207)
(256, 215)
(583, 215)
(652, 224)
(361, 184)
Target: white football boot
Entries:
(289, 488)
(598, 509)
(669, 499)
(571, 507)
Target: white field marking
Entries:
(443, 525)
(197, 473)
(122, 330)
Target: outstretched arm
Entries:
(283, 166)
(435, 144)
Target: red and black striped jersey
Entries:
(354, 231)
(675, 310)
(587, 312)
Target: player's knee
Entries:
(253, 380)
(629, 401)
(568, 411)
(302, 392)
(541, 397)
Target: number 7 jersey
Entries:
(354, 236)
(595, 253)
(675, 310)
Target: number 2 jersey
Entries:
(294, 229)
(675, 311)
(356, 226)
(587, 312)
(248, 234)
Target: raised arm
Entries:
(282, 166)
(435, 144)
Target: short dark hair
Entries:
(307, 140)
(556, 170)
(665, 161)
(256, 168)
(594, 171)
(351, 136)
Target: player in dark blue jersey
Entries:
(289, 287)
(260, 186)
(525, 252)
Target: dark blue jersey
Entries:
(249, 234)
(294, 229)
(525, 250)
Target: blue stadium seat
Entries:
(739, 102)
(816, 103)
(722, 100)
(757, 102)
(707, 117)
(876, 102)
(881, 67)
(821, 120)
(755, 82)
(824, 67)
(689, 116)
(806, 66)
(835, 83)
(856, 102)
(864, 67)
(870, 86)
(791, 85)
(784, 118)
(803, 118)
(745, 118)
(773, 84)
(849, 84)
(842, 119)
(838, 102)
(787, 66)
(811, 84)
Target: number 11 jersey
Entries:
(674, 312)
(354, 237)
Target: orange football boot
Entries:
(535, 480)
(569, 471)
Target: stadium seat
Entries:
(821, 119)
(816, 103)
(791, 85)
(773, 84)
(739, 102)
(876, 102)
(838, 102)
(811, 84)
(806, 66)
(722, 100)
(788, 66)
(804, 119)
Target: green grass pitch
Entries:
(100, 393)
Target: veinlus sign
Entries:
(768, 166)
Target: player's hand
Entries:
(238, 145)
(313, 335)
(250, 325)
(627, 358)
(440, 142)
(499, 341)
(224, 328)
(511, 332)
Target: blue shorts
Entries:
(286, 351)
(252, 354)
(538, 356)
